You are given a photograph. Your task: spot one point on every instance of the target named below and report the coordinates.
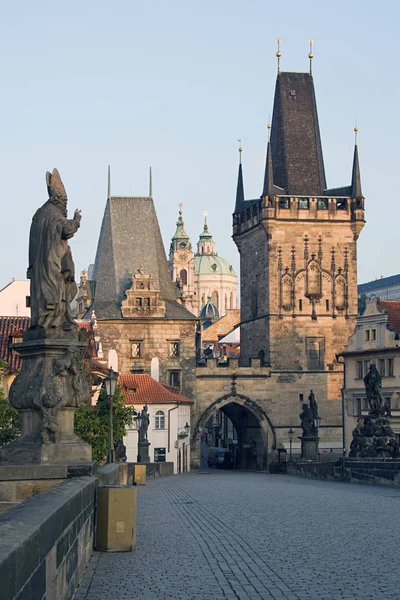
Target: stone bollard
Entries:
(116, 518)
(139, 474)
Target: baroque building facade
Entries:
(298, 265)
(202, 273)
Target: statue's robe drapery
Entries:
(51, 268)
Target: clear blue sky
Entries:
(173, 84)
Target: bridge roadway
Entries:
(240, 536)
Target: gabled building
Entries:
(376, 340)
(15, 299)
(138, 308)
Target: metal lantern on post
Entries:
(187, 428)
(317, 421)
(110, 383)
(138, 420)
(290, 436)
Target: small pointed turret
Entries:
(355, 177)
(268, 189)
(240, 188)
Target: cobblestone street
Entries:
(231, 535)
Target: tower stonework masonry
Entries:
(298, 274)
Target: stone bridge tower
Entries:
(297, 244)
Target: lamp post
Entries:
(290, 436)
(187, 428)
(138, 421)
(110, 383)
(317, 421)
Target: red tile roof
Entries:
(143, 389)
(392, 307)
(11, 327)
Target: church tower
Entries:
(297, 243)
(180, 262)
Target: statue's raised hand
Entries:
(77, 215)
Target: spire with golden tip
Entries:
(278, 55)
(310, 54)
(355, 176)
(268, 188)
(240, 188)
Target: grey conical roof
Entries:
(130, 238)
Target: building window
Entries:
(389, 367)
(359, 369)
(303, 203)
(174, 378)
(300, 305)
(159, 420)
(146, 301)
(356, 407)
(381, 367)
(367, 335)
(174, 349)
(373, 335)
(315, 352)
(159, 455)
(283, 202)
(327, 304)
(27, 301)
(138, 301)
(322, 203)
(183, 276)
(136, 349)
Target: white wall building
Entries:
(169, 414)
(15, 299)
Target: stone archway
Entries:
(256, 434)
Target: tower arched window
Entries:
(231, 301)
(183, 276)
(159, 420)
(214, 298)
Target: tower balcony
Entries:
(289, 208)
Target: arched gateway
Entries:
(255, 434)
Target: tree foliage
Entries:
(92, 423)
(10, 426)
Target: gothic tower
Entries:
(297, 243)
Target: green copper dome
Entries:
(210, 264)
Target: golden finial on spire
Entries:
(355, 134)
(279, 54)
(269, 131)
(310, 54)
(240, 150)
(180, 208)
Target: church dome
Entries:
(210, 264)
(209, 310)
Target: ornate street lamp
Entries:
(138, 420)
(187, 428)
(290, 436)
(110, 383)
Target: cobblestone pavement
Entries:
(241, 536)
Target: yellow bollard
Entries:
(116, 518)
(139, 474)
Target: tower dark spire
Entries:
(355, 176)
(240, 188)
(298, 164)
(268, 189)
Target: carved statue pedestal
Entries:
(374, 438)
(143, 452)
(309, 447)
(53, 382)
